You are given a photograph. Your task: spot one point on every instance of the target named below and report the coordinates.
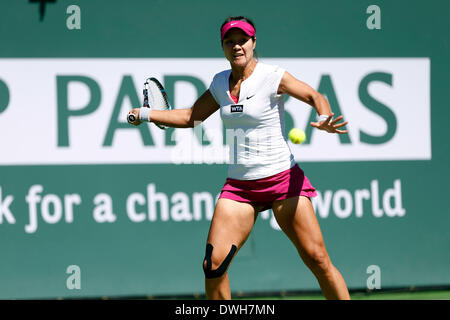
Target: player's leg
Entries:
(230, 226)
(296, 217)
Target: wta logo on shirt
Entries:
(237, 108)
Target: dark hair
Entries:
(241, 18)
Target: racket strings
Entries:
(155, 97)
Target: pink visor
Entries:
(244, 26)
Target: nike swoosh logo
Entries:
(250, 97)
(232, 24)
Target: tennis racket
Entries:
(155, 97)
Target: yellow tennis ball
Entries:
(297, 135)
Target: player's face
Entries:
(238, 47)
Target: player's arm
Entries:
(303, 92)
(183, 118)
(205, 106)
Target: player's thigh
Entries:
(297, 219)
(231, 224)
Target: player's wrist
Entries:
(144, 114)
(322, 117)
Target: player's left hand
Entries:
(331, 126)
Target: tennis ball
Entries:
(297, 135)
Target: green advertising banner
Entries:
(91, 206)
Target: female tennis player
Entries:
(264, 174)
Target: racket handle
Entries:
(131, 118)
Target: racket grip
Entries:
(131, 118)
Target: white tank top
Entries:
(255, 124)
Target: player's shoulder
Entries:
(222, 74)
(221, 77)
(270, 68)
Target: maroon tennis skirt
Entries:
(263, 192)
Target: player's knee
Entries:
(318, 260)
(215, 266)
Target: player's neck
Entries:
(242, 73)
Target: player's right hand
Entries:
(134, 112)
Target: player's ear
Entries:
(254, 46)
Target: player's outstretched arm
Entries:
(302, 91)
(182, 118)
